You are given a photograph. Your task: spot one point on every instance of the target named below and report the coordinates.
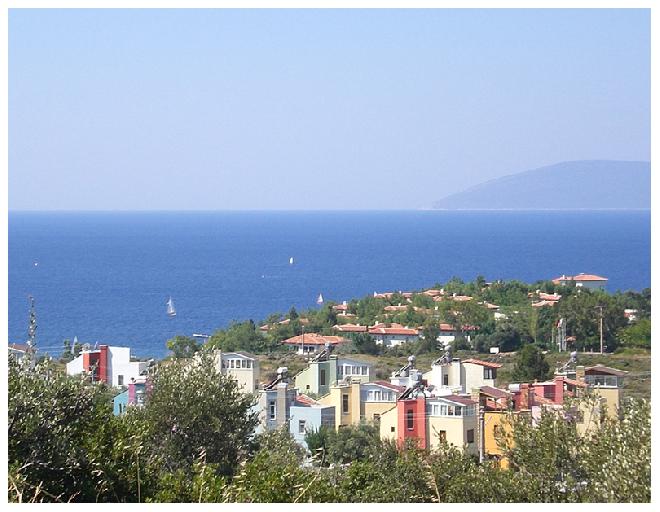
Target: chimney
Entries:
(559, 390)
(524, 402)
(282, 405)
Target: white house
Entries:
(391, 335)
(461, 376)
(111, 365)
(590, 281)
(240, 366)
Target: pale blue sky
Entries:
(313, 109)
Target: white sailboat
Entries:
(320, 299)
(291, 260)
(170, 308)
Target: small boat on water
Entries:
(320, 299)
(171, 312)
(291, 260)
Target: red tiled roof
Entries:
(446, 327)
(389, 385)
(599, 368)
(461, 298)
(351, 328)
(549, 296)
(543, 303)
(494, 392)
(459, 399)
(395, 308)
(18, 346)
(575, 383)
(397, 329)
(313, 338)
(432, 293)
(579, 277)
(487, 364)
(305, 400)
(340, 307)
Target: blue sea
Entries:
(105, 277)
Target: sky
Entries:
(313, 109)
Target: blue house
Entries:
(307, 415)
(120, 402)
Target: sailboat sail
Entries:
(291, 260)
(170, 308)
(320, 299)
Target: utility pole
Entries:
(601, 327)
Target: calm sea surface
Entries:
(106, 276)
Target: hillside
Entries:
(588, 184)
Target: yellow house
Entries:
(361, 401)
(604, 382)
(453, 419)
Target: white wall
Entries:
(119, 363)
(75, 367)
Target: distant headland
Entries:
(579, 185)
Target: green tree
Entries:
(637, 335)
(59, 434)
(530, 365)
(194, 409)
(183, 346)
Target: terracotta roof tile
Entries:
(487, 364)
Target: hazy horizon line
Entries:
(329, 210)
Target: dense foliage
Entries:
(518, 323)
(192, 442)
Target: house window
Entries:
(445, 379)
(364, 370)
(442, 435)
(307, 387)
(301, 426)
(271, 409)
(376, 418)
(410, 419)
(470, 436)
(344, 404)
(489, 373)
(139, 397)
(322, 377)
(450, 410)
(392, 429)
(243, 363)
(378, 396)
(458, 411)
(120, 380)
(443, 410)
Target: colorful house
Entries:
(240, 366)
(355, 401)
(431, 420)
(111, 365)
(134, 395)
(274, 404)
(307, 414)
(326, 370)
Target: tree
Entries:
(194, 409)
(430, 333)
(530, 365)
(637, 335)
(506, 337)
(352, 442)
(59, 434)
(365, 344)
(183, 346)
